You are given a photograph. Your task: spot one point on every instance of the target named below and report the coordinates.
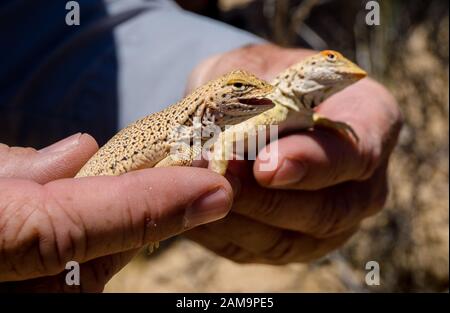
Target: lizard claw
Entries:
(152, 247)
(340, 127)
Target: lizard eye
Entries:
(331, 57)
(239, 86)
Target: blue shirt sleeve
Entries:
(126, 59)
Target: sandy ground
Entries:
(187, 267)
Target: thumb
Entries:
(60, 160)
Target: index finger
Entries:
(43, 227)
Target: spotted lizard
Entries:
(298, 90)
(152, 140)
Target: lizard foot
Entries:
(340, 127)
(218, 166)
(152, 247)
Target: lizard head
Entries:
(330, 68)
(318, 77)
(239, 96)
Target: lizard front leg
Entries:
(223, 148)
(252, 128)
(220, 155)
(180, 155)
(184, 156)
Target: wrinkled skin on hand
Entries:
(48, 218)
(324, 185)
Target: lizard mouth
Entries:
(247, 107)
(257, 101)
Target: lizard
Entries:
(298, 90)
(152, 140)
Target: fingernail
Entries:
(208, 208)
(290, 172)
(63, 144)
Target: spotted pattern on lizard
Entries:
(146, 143)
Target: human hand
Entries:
(323, 186)
(100, 222)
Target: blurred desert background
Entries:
(408, 52)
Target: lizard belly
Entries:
(102, 164)
(126, 152)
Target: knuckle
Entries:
(282, 250)
(33, 242)
(369, 161)
(65, 233)
(344, 206)
(267, 207)
(49, 253)
(336, 212)
(294, 247)
(234, 252)
(26, 239)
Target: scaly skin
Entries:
(298, 90)
(228, 100)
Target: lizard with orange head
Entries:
(298, 90)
